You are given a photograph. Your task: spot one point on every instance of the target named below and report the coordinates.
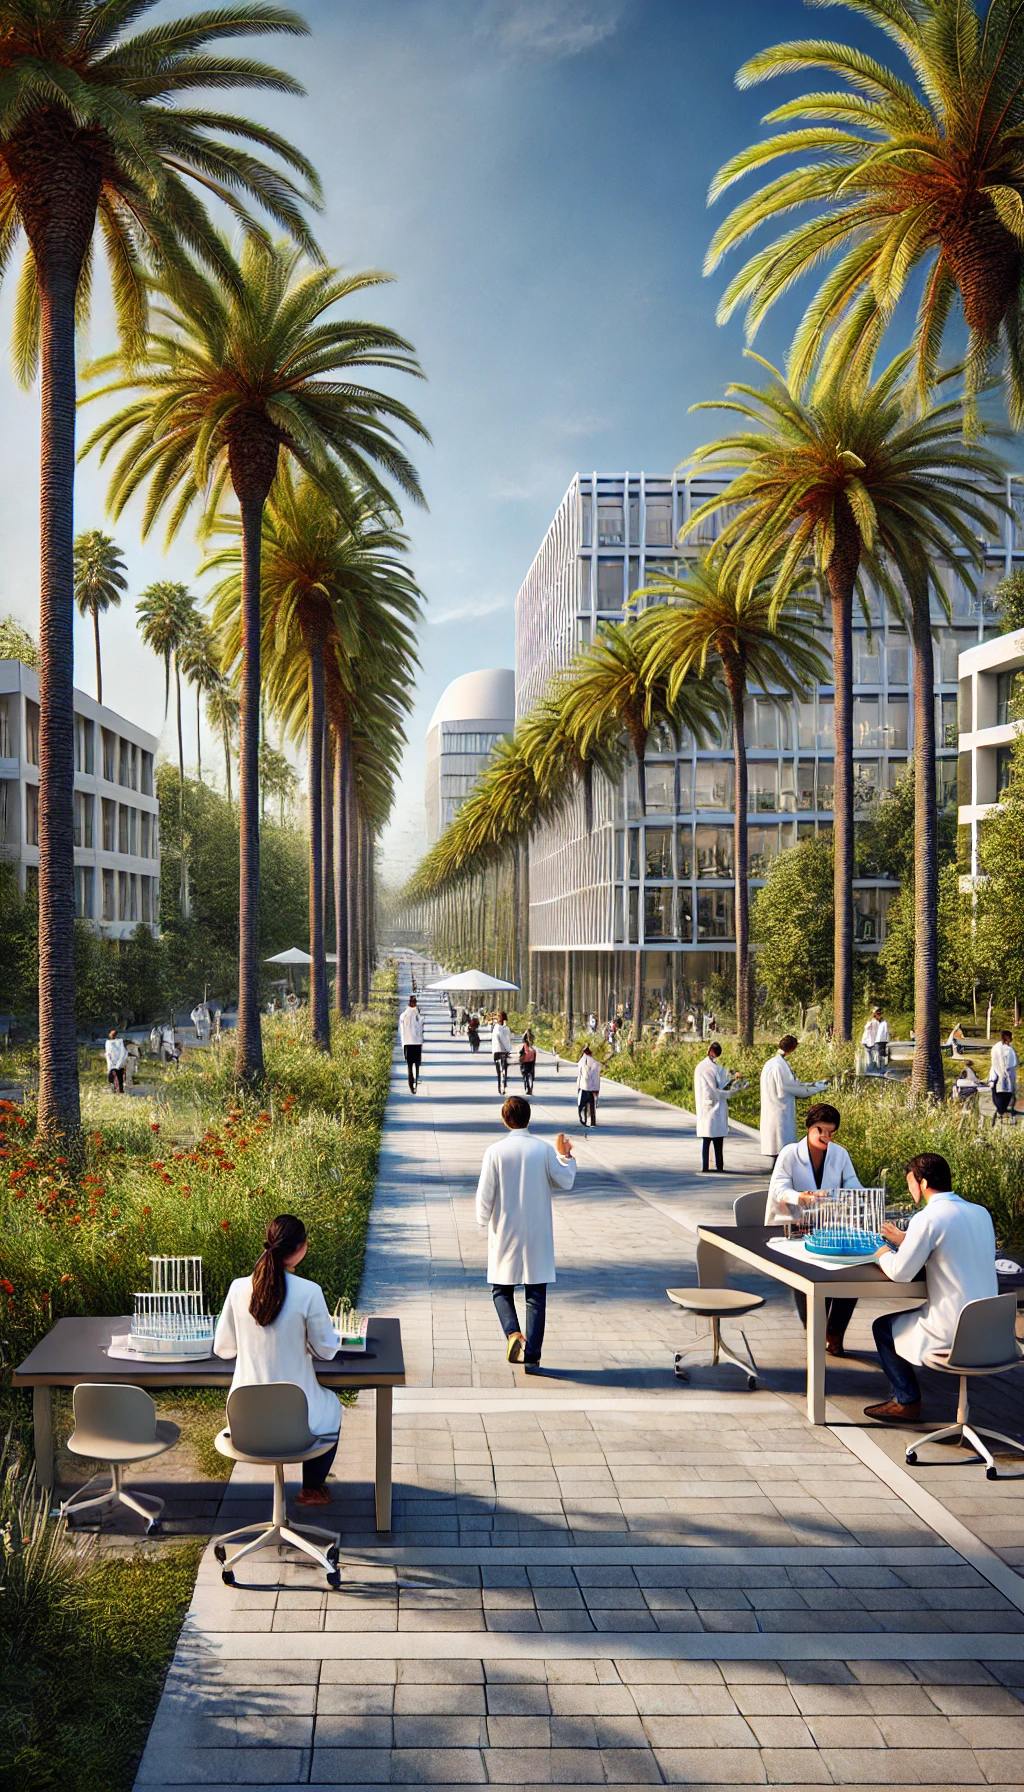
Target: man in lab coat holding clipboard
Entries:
(780, 1090)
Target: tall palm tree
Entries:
(200, 668)
(711, 623)
(99, 582)
(93, 132)
(239, 374)
(222, 712)
(168, 617)
(843, 475)
(917, 182)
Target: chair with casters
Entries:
(269, 1424)
(717, 1304)
(984, 1343)
(749, 1210)
(117, 1424)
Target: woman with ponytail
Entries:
(274, 1323)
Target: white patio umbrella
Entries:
(294, 955)
(472, 980)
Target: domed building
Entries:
(473, 715)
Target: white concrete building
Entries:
(988, 674)
(117, 832)
(473, 715)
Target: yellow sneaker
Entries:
(516, 1346)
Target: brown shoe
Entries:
(834, 1346)
(516, 1346)
(890, 1412)
(313, 1496)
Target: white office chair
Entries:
(984, 1343)
(749, 1210)
(117, 1424)
(269, 1423)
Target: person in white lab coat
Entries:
(711, 1093)
(410, 1032)
(273, 1324)
(588, 1082)
(1002, 1075)
(200, 1018)
(780, 1090)
(513, 1200)
(501, 1045)
(875, 1038)
(116, 1054)
(954, 1242)
(801, 1172)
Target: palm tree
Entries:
(916, 182)
(99, 582)
(844, 476)
(168, 617)
(200, 668)
(239, 374)
(222, 712)
(92, 131)
(713, 622)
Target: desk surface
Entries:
(75, 1350)
(752, 1242)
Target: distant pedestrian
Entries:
(1003, 1077)
(780, 1091)
(588, 1082)
(410, 1032)
(875, 1039)
(513, 1200)
(200, 1018)
(711, 1089)
(116, 1054)
(501, 1045)
(473, 1032)
(528, 1062)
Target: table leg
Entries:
(712, 1264)
(42, 1434)
(383, 1471)
(816, 1356)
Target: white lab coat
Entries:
(116, 1053)
(501, 1038)
(410, 1026)
(793, 1176)
(955, 1243)
(513, 1200)
(1002, 1072)
(779, 1092)
(876, 1032)
(588, 1073)
(709, 1081)
(284, 1350)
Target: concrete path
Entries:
(602, 1575)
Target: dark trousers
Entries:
(838, 1314)
(1002, 1101)
(413, 1054)
(536, 1313)
(588, 1105)
(316, 1469)
(903, 1382)
(528, 1072)
(705, 1153)
(501, 1071)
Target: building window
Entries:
(867, 722)
(712, 784)
(661, 789)
(83, 892)
(5, 730)
(133, 832)
(684, 851)
(763, 787)
(634, 916)
(714, 852)
(124, 763)
(146, 778)
(633, 869)
(897, 724)
(586, 519)
(897, 661)
(825, 733)
(894, 770)
(109, 898)
(146, 898)
(109, 825)
(84, 759)
(123, 882)
(610, 526)
(122, 829)
(826, 783)
(32, 815)
(685, 782)
(946, 732)
(767, 725)
(32, 732)
(945, 784)
(866, 784)
(684, 915)
(762, 848)
(83, 819)
(869, 912)
(658, 853)
(658, 924)
(805, 784)
(144, 828)
(715, 915)
(658, 527)
(609, 584)
(867, 659)
(8, 811)
(109, 756)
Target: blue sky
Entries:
(533, 172)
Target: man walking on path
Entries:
(513, 1200)
(116, 1053)
(410, 1032)
(501, 1045)
(588, 1082)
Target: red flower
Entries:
(226, 1164)
(154, 1126)
(62, 1162)
(41, 1206)
(115, 1213)
(63, 1280)
(75, 1220)
(147, 1210)
(225, 1225)
(186, 1194)
(8, 1287)
(157, 1166)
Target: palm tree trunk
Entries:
(249, 1046)
(183, 866)
(199, 737)
(227, 763)
(341, 919)
(327, 806)
(59, 1112)
(99, 665)
(352, 831)
(319, 1015)
(736, 682)
(927, 1074)
(842, 577)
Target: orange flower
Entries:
(75, 1220)
(186, 1194)
(225, 1225)
(115, 1213)
(8, 1287)
(154, 1126)
(62, 1162)
(147, 1210)
(63, 1280)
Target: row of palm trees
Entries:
(233, 365)
(836, 473)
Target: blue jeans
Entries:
(536, 1312)
(902, 1380)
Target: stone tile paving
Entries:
(600, 1575)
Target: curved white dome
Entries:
(488, 696)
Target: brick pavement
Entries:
(600, 1575)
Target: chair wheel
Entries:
(752, 1382)
(990, 1474)
(156, 1529)
(911, 1456)
(681, 1374)
(333, 1555)
(334, 1580)
(220, 1552)
(228, 1577)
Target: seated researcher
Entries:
(955, 1244)
(815, 1165)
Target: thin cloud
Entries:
(553, 29)
(467, 612)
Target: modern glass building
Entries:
(474, 713)
(665, 883)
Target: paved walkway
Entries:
(601, 1575)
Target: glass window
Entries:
(109, 898)
(109, 756)
(1004, 766)
(867, 658)
(133, 832)
(617, 915)
(83, 892)
(762, 848)
(583, 584)
(767, 724)
(32, 815)
(825, 734)
(945, 784)
(146, 898)
(712, 784)
(658, 918)
(946, 731)
(634, 916)
(133, 767)
(897, 724)
(714, 852)
(894, 771)
(634, 852)
(763, 787)
(633, 575)
(5, 730)
(83, 819)
(805, 830)
(83, 745)
(658, 853)
(146, 779)
(867, 722)
(609, 584)
(684, 770)
(122, 829)
(684, 851)
(122, 895)
(658, 529)
(806, 726)
(609, 526)
(867, 917)
(826, 783)
(1006, 692)
(661, 789)
(32, 733)
(897, 660)
(109, 825)
(805, 784)
(684, 914)
(866, 784)
(133, 896)
(123, 763)
(715, 915)
(586, 519)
